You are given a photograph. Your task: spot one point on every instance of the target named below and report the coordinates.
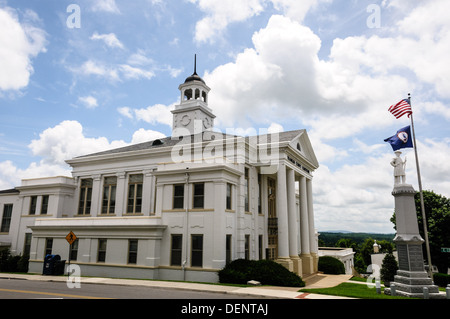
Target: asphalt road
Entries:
(29, 289)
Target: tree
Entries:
(389, 269)
(437, 211)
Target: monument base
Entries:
(412, 284)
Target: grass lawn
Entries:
(352, 290)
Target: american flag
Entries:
(401, 108)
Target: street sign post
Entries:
(71, 237)
(445, 250)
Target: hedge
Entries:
(330, 265)
(267, 272)
(442, 280)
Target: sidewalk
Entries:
(316, 281)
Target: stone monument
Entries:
(411, 278)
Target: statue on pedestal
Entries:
(399, 168)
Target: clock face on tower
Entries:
(185, 120)
(206, 122)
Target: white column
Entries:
(282, 213)
(293, 223)
(312, 231)
(307, 258)
(314, 246)
(292, 218)
(96, 199)
(304, 222)
(121, 193)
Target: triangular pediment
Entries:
(302, 145)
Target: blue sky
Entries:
(331, 66)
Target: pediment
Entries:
(302, 146)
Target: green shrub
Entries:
(389, 269)
(330, 265)
(10, 263)
(441, 280)
(267, 272)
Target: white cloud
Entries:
(220, 13)
(67, 140)
(91, 67)
(59, 143)
(125, 111)
(295, 9)
(130, 72)
(153, 114)
(89, 101)
(143, 135)
(112, 72)
(105, 6)
(109, 39)
(19, 43)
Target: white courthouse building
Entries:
(176, 208)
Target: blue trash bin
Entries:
(49, 264)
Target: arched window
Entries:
(188, 94)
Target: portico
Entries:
(297, 247)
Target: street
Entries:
(30, 289)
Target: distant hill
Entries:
(331, 238)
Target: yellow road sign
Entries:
(71, 238)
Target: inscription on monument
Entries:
(403, 260)
(415, 257)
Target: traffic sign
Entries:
(445, 250)
(71, 238)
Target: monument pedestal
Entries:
(411, 278)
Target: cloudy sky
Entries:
(82, 76)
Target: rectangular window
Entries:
(135, 194)
(73, 250)
(27, 244)
(84, 205)
(247, 247)
(132, 251)
(199, 195)
(247, 190)
(33, 203)
(228, 250)
(6, 218)
(178, 196)
(101, 252)
(109, 195)
(175, 256)
(229, 193)
(197, 251)
(44, 205)
(48, 246)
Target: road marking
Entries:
(51, 294)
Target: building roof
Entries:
(194, 77)
(169, 141)
(9, 191)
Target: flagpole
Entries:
(419, 178)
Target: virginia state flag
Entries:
(402, 139)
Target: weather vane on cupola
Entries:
(194, 76)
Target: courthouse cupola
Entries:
(193, 112)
